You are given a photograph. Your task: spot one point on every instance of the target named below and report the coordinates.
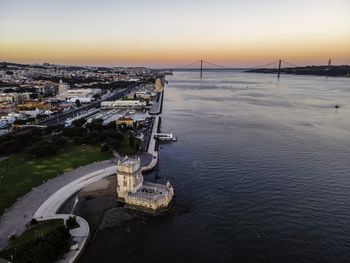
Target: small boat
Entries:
(165, 137)
(337, 106)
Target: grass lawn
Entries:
(45, 241)
(42, 228)
(20, 172)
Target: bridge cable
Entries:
(290, 64)
(189, 65)
(266, 65)
(216, 65)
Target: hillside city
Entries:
(32, 94)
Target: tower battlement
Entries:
(132, 189)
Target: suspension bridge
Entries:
(202, 65)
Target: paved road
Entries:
(157, 104)
(152, 147)
(62, 117)
(21, 212)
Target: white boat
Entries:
(165, 137)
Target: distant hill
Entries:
(331, 71)
(4, 65)
(10, 65)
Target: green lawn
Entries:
(41, 229)
(20, 172)
(45, 241)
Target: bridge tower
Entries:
(279, 68)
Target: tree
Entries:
(93, 137)
(79, 122)
(47, 248)
(59, 140)
(111, 125)
(44, 148)
(10, 146)
(131, 141)
(72, 222)
(95, 125)
(104, 147)
(77, 102)
(96, 96)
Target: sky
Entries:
(163, 33)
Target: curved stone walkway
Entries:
(20, 213)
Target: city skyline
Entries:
(166, 33)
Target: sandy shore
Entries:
(106, 186)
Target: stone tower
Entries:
(129, 177)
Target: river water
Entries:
(263, 165)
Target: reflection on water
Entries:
(264, 166)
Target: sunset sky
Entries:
(162, 33)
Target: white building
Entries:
(83, 95)
(62, 88)
(143, 94)
(82, 92)
(123, 104)
(132, 190)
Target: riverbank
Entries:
(157, 104)
(45, 201)
(21, 212)
(328, 71)
(21, 172)
(152, 147)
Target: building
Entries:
(125, 120)
(62, 88)
(5, 97)
(123, 104)
(159, 85)
(46, 89)
(144, 94)
(132, 190)
(14, 97)
(83, 95)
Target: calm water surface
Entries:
(263, 165)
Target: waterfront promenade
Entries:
(158, 104)
(44, 201)
(152, 147)
(16, 217)
(50, 207)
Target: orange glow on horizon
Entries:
(169, 33)
(99, 54)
